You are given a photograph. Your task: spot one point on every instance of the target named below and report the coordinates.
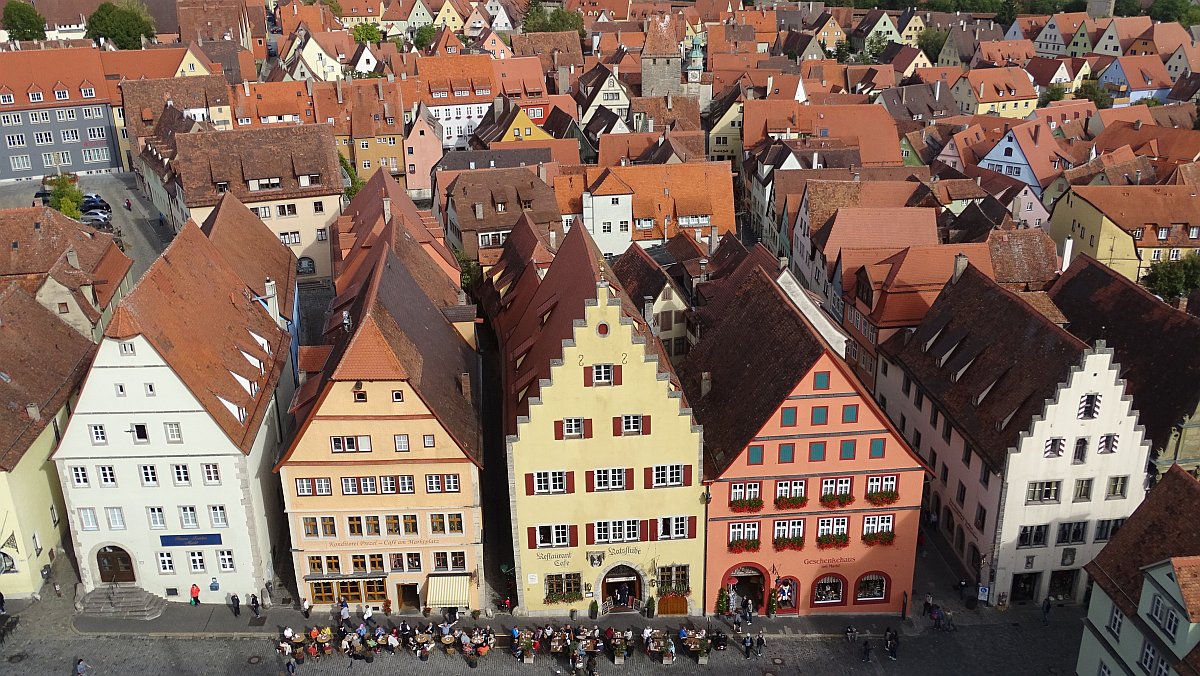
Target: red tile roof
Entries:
(870, 126)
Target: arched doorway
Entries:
(622, 586)
(744, 581)
(115, 565)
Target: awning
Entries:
(449, 591)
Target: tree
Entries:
(1172, 280)
(1181, 11)
(65, 197)
(874, 48)
(356, 183)
(1054, 92)
(424, 37)
(931, 41)
(841, 51)
(367, 33)
(124, 27)
(1094, 93)
(1196, 123)
(538, 20)
(137, 7)
(23, 22)
(1008, 13)
(1127, 8)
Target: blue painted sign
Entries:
(190, 540)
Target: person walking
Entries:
(237, 605)
(749, 607)
(291, 666)
(345, 616)
(925, 609)
(195, 594)
(759, 643)
(747, 644)
(1046, 611)
(255, 605)
(866, 651)
(367, 619)
(305, 607)
(893, 644)
(81, 667)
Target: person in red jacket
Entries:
(195, 594)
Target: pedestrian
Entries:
(81, 667)
(749, 606)
(759, 643)
(936, 616)
(962, 590)
(195, 594)
(345, 616)
(305, 607)
(1046, 611)
(893, 644)
(291, 666)
(866, 651)
(237, 605)
(747, 643)
(255, 605)
(367, 613)
(737, 623)
(925, 609)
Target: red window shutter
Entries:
(616, 374)
(616, 426)
(644, 536)
(591, 533)
(653, 526)
(532, 537)
(589, 485)
(528, 484)
(687, 475)
(649, 478)
(587, 428)
(570, 482)
(628, 478)
(587, 376)
(574, 535)
(558, 429)
(645, 424)
(692, 527)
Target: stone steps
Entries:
(123, 601)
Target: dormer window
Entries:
(35, 97)
(264, 184)
(88, 93)
(462, 92)
(500, 207)
(61, 94)
(222, 187)
(310, 179)
(1163, 233)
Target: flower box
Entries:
(794, 502)
(883, 537)
(567, 597)
(782, 544)
(746, 505)
(740, 546)
(674, 592)
(883, 497)
(835, 500)
(833, 541)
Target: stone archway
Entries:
(613, 578)
(114, 564)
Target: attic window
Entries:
(309, 179)
(272, 183)
(979, 397)
(360, 397)
(127, 349)
(500, 207)
(61, 94)
(222, 186)
(397, 396)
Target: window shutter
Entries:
(532, 537)
(558, 429)
(591, 533)
(692, 527)
(679, 316)
(664, 320)
(616, 425)
(587, 376)
(644, 536)
(687, 475)
(649, 478)
(589, 485)
(529, 484)
(645, 424)
(628, 478)
(570, 482)
(573, 531)
(587, 428)
(653, 523)
(616, 374)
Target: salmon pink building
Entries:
(814, 498)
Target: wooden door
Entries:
(115, 565)
(672, 605)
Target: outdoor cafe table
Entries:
(558, 644)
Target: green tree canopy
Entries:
(538, 20)
(1008, 13)
(1172, 280)
(23, 22)
(931, 41)
(1127, 8)
(123, 26)
(841, 51)
(873, 48)
(368, 33)
(1054, 92)
(1182, 11)
(1094, 93)
(424, 37)
(65, 197)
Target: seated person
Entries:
(682, 633)
(483, 649)
(609, 633)
(288, 633)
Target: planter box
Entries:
(527, 659)
(668, 658)
(619, 657)
(702, 659)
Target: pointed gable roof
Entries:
(248, 245)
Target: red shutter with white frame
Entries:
(591, 534)
(587, 376)
(532, 532)
(644, 530)
(587, 428)
(589, 481)
(645, 424)
(628, 478)
(687, 475)
(617, 426)
(570, 482)
(573, 535)
(558, 430)
(692, 527)
(529, 484)
(653, 530)
(649, 478)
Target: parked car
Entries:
(43, 195)
(95, 204)
(87, 196)
(98, 222)
(99, 213)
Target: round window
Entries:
(602, 329)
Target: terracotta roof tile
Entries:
(248, 246)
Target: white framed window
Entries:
(69, 135)
(743, 530)
(323, 486)
(368, 486)
(15, 140)
(96, 133)
(433, 483)
(550, 482)
(668, 475)
(174, 432)
(876, 484)
(165, 563)
(401, 443)
(157, 518)
(187, 517)
(619, 530)
(212, 473)
(428, 441)
(98, 434)
(116, 518)
(349, 485)
(141, 433)
(878, 524)
(20, 162)
(218, 516)
(88, 92)
(672, 527)
(556, 535)
(87, 519)
(602, 374)
(451, 483)
(790, 489)
(789, 528)
(609, 479)
(387, 485)
(225, 559)
(839, 525)
(108, 475)
(631, 424)
(79, 477)
(196, 561)
(405, 484)
(572, 427)
(183, 477)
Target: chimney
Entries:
(648, 313)
(73, 258)
(1068, 248)
(1137, 125)
(379, 88)
(308, 86)
(464, 383)
(937, 90)
(616, 71)
(33, 412)
(981, 90)
(553, 240)
(246, 87)
(479, 210)
(770, 85)
(387, 209)
(564, 80)
(669, 102)
(783, 263)
(705, 383)
(338, 86)
(271, 295)
(1035, 133)
(541, 172)
(960, 264)
(712, 240)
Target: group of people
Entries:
(942, 619)
(891, 644)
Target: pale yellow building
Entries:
(604, 459)
(1007, 92)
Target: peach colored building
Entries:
(814, 498)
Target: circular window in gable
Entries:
(602, 329)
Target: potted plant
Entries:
(593, 609)
(425, 611)
(833, 500)
(883, 537)
(773, 602)
(833, 541)
(527, 651)
(793, 502)
(746, 505)
(387, 606)
(650, 607)
(722, 601)
(782, 544)
(741, 546)
(475, 614)
(705, 649)
(882, 497)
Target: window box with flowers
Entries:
(883, 497)
(883, 537)
(740, 546)
(746, 505)
(782, 544)
(673, 592)
(562, 597)
(794, 502)
(835, 500)
(833, 541)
